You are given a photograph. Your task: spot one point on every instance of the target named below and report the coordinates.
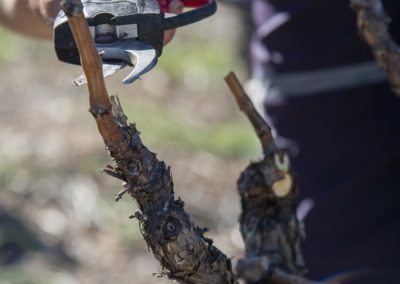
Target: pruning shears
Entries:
(126, 32)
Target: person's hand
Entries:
(47, 9)
(29, 17)
(174, 7)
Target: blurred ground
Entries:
(58, 219)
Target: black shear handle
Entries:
(191, 16)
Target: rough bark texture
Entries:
(271, 232)
(179, 245)
(268, 223)
(373, 23)
(184, 253)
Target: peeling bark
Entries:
(174, 239)
(270, 229)
(269, 226)
(179, 245)
(373, 23)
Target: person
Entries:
(332, 107)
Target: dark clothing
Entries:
(348, 164)
(348, 159)
(318, 34)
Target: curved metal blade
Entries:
(108, 70)
(135, 53)
(145, 59)
(117, 55)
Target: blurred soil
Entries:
(58, 219)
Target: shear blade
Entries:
(120, 54)
(135, 53)
(108, 70)
(145, 59)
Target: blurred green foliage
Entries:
(188, 55)
(227, 139)
(10, 44)
(18, 275)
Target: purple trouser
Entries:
(347, 139)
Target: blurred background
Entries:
(59, 222)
